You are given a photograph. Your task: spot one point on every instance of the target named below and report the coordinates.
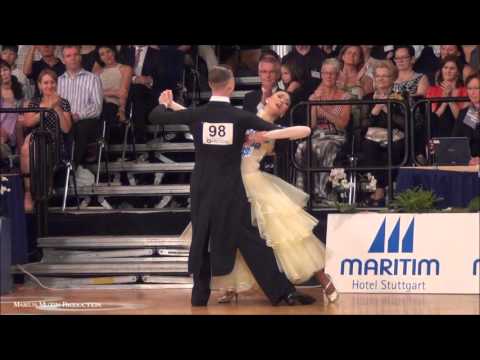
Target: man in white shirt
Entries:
(269, 73)
(83, 90)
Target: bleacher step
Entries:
(136, 167)
(164, 147)
(111, 242)
(138, 190)
(103, 268)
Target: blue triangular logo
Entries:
(394, 239)
(378, 245)
(407, 241)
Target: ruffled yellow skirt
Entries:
(277, 211)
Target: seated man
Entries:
(269, 73)
(83, 90)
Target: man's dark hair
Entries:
(410, 49)
(13, 48)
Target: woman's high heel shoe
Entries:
(333, 296)
(228, 297)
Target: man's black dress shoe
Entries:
(297, 298)
(200, 296)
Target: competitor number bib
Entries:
(217, 133)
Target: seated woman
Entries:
(11, 96)
(374, 117)
(468, 122)
(328, 127)
(408, 81)
(450, 84)
(351, 79)
(277, 211)
(47, 85)
(116, 79)
(456, 50)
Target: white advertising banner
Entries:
(404, 253)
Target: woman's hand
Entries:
(3, 136)
(447, 89)
(166, 98)
(52, 102)
(294, 85)
(121, 116)
(474, 161)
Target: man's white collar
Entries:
(220, 98)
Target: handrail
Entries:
(389, 167)
(428, 104)
(38, 171)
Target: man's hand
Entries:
(144, 80)
(75, 117)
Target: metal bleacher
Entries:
(126, 262)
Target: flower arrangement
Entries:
(339, 183)
(3, 189)
(368, 183)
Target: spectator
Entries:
(83, 90)
(369, 62)
(116, 79)
(456, 50)
(248, 59)
(468, 123)
(11, 96)
(154, 70)
(472, 56)
(291, 76)
(48, 61)
(428, 63)
(408, 81)
(47, 84)
(382, 52)
(351, 79)
(9, 54)
(292, 81)
(309, 58)
(89, 58)
(374, 146)
(330, 51)
(269, 73)
(450, 84)
(207, 52)
(328, 127)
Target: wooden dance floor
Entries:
(25, 300)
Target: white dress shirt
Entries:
(138, 69)
(220, 98)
